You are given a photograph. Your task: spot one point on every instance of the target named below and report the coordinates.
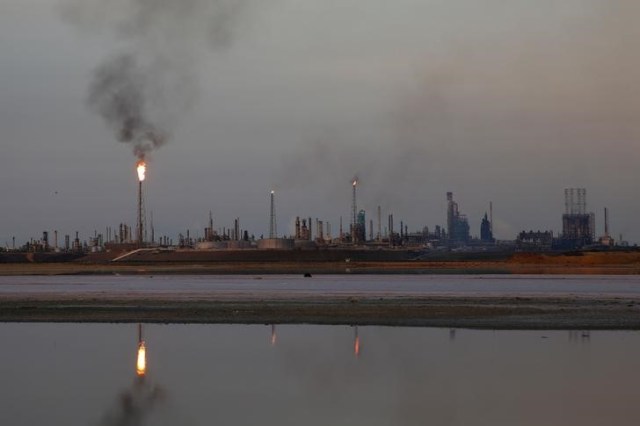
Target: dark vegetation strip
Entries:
(492, 313)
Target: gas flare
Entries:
(141, 363)
(142, 169)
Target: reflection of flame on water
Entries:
(138, 402)
(141, 167)
(356, 344)
(141, 363)
(273, 335)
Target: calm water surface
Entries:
(84, 374)
(488, 285)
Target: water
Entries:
(84, 374)
(422, 285)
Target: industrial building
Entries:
(457, 224)
(534, 241)
(486, 231)
(578, 231)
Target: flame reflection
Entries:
(135, 405)
(141, 363)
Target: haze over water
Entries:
(80, 374)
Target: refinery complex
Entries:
(362, 236)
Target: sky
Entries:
(496, 101)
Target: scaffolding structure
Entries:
(578, 226)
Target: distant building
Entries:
(303, 230)
(535, 241)
(457, 224)
(486, 235)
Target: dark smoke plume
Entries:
(117, 93)
(142, 93)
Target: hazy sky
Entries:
(507, 101)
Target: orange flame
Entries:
(141, 363)
(141, 168)
(355, 182)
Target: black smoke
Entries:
(142, 88)
(117, 93)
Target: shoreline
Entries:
(464, 311)
(333, 268)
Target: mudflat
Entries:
(568, 312)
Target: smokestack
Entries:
(272, 218)
(141, 169)
(153, 236)
(606, 222)
(354, 211)
(379, 224)
(236, 229)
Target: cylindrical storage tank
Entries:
(234, 245)
(205, 245)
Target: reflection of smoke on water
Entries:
(135, 405)
(143, 403)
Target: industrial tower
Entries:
(354, 210)
(273, 231)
